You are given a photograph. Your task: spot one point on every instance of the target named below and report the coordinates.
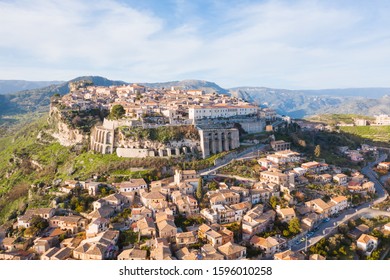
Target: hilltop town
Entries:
(148, 118)
(266, 199)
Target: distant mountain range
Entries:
(11, 86)
(295, 103)
(39, 99)
(303, 103)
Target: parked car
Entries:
(309, 234)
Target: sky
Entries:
(298, 44)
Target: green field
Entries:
(333, 119)
(376, 133)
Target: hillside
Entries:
(375, 133)
(287, 102)
(352, 92)
(301, 103)
(30, 156)
(333, 119)
(39, 99)
(11, 86)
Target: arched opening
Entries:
(108, 138)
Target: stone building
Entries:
(213, 141)
(102, 139)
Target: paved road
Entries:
(328, 228)
(379, 189)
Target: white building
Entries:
(221, 111)
(134, 185)
(382, 119)
(367, 243)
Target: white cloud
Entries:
(54, 31)
(278, 44)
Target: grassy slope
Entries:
(333, 119)
(22, 148)
(376, 133)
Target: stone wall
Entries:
(142, 153)
(253, 126)
(134, 153)
(113, 124)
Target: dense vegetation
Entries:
(83, 120)
(243, 168)
(328, 142)
(161, 134)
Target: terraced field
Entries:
(376, 133)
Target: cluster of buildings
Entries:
(214, 116)
(380, 120)
(177, 105)
(155, 209)
(359, 154)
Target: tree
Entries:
(294, 226)
(236, 229)
(39, 222)
(273, 201)
(213, 186)
(317, 151)
(199, 193)
(117, 112)
(374, 255)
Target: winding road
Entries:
(328, 228)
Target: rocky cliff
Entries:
(63, 130)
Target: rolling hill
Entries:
(11, 86)
(39, 99)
